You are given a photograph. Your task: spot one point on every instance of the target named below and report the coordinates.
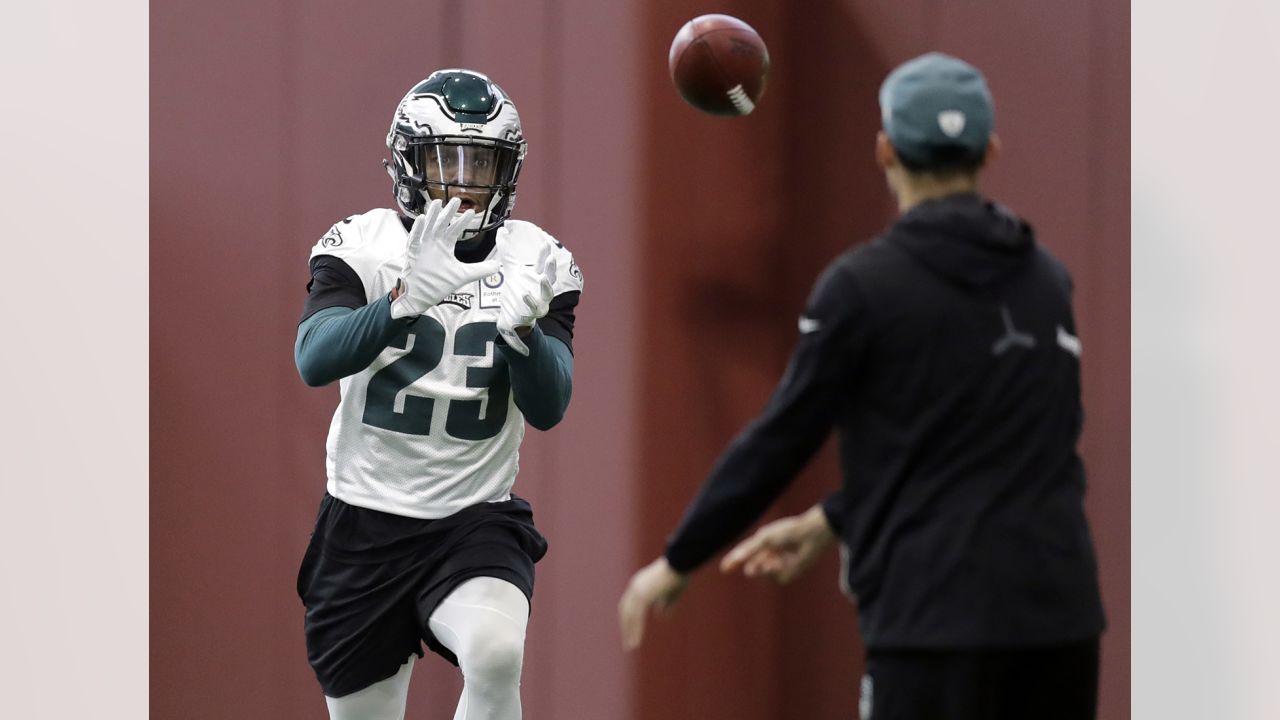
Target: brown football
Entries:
(719, 64)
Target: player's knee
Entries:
(495, 655)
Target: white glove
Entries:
(431, 271)
(529, 272)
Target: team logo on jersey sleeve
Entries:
(331, 239)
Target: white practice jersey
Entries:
(431, 426)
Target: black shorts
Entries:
(370, 581)
(1046, 683)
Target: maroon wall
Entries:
(699, 238)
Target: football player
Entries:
(447, 325)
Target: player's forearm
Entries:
(339, 341)
(542, 382)
(760, 462)
(753, 472)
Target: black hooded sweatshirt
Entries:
(944, 354)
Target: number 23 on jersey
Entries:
(390, 406)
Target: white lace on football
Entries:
(740, 101)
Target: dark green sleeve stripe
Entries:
(337, 341)
(542, 382)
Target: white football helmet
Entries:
(457, 134)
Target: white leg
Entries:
(384, 700)
(483, 622)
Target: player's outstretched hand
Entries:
(782, 550)
(655, 587)
(431, 271)
(528, 276)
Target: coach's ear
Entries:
(886, 155)
(994, 149)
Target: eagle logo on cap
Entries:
(951, 122)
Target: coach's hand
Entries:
(782, 550)
(431, 271)
(655, 587)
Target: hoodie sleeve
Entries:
(833, 508)
(767, 455)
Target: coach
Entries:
(944, 353)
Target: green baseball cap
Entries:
(936, 102)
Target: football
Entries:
(719, 65)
